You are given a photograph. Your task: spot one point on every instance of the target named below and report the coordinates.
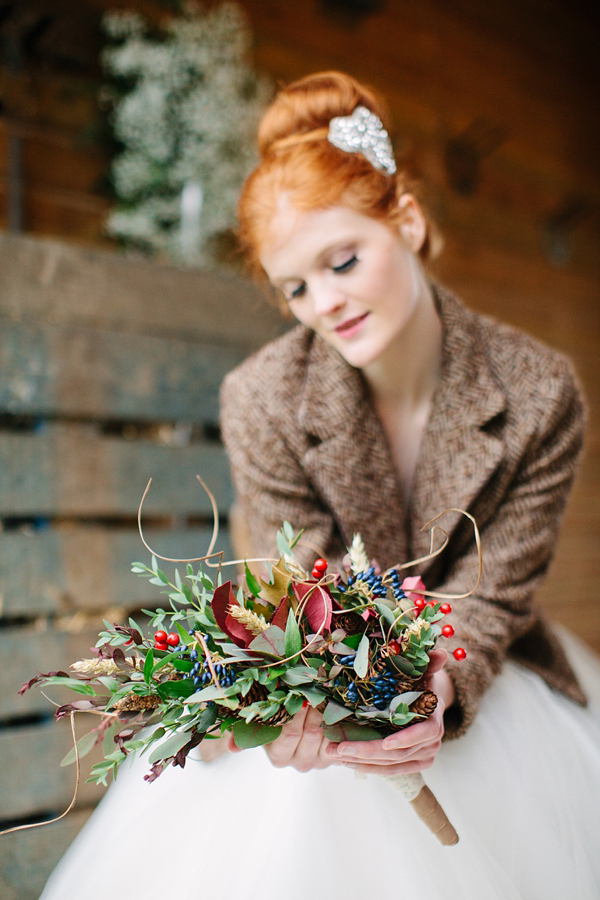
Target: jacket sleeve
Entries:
(518, 544)
(271, 486)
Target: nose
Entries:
(327, 298)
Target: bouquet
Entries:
(245, 659)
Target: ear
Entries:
(412, 225)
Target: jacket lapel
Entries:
(458, 456)
(348, 458)
(349, 461)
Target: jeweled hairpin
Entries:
(363, 132)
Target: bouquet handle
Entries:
(425, 805)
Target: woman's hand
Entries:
(302, 743)
(411, 749)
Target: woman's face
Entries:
(349, 277)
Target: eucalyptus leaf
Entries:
(351, 732)
(335, 713)
(406, 698)
(80, 687)
(298, 675)
(293, 638)
(170, 746)
(84, 745)
(361, 660)
(254, 734)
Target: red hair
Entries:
(297, 159)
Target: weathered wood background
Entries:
(110, 366)
(109, 374)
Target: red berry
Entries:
(459, 653)
(419, 603)
(160, 645)
(160, 636)
(172, 639)
(395, 647)
(445, 608)
(316, 573)
(320, 564)
(447, 630)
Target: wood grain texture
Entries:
(55, 370)
(32, 781)
(71, 470)
(51, 283)
(78, 568)
(28, 857)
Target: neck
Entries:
(408, 372)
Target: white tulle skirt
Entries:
(522, 788)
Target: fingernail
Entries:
(389, 745)
(346, 751)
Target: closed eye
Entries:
(297, 292)
(346, 266)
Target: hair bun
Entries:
(310, 104)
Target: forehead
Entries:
(296, 237)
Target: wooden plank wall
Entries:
(109, 374)
(491, 103)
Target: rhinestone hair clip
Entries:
(363, 132)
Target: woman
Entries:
(388, 404)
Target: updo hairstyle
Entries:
(297, 159)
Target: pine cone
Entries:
(425, 704)
(256, 693)
(279, 718)
(137, 703)
(351, 622)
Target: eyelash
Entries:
(346, 266)
(299, 292)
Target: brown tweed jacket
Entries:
(504, 433)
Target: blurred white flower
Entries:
(186, 115)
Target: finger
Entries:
(432, 729)
(308, 752)
(437, 661)
(401, 768)
(281, 750)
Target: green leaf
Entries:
(361, 660)
(84, 745)
(253, 585)
(254, 734)
(170, 746)
(403, 665)
(313, 695)
(386, 613)
(293, 703)
(335, 713)
(283, 545)
(351, 732)
(293, 638)
(352, 640)
(208, 718)
(80, 687)
(148, 666)
(212, 692)
(298, 675)
(271, 642)
(171, 689)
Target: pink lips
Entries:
(351, 327)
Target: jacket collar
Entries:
(349, 459)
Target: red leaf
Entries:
(318, 606)
(223, 598)
(412, 586)
(280, 615)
